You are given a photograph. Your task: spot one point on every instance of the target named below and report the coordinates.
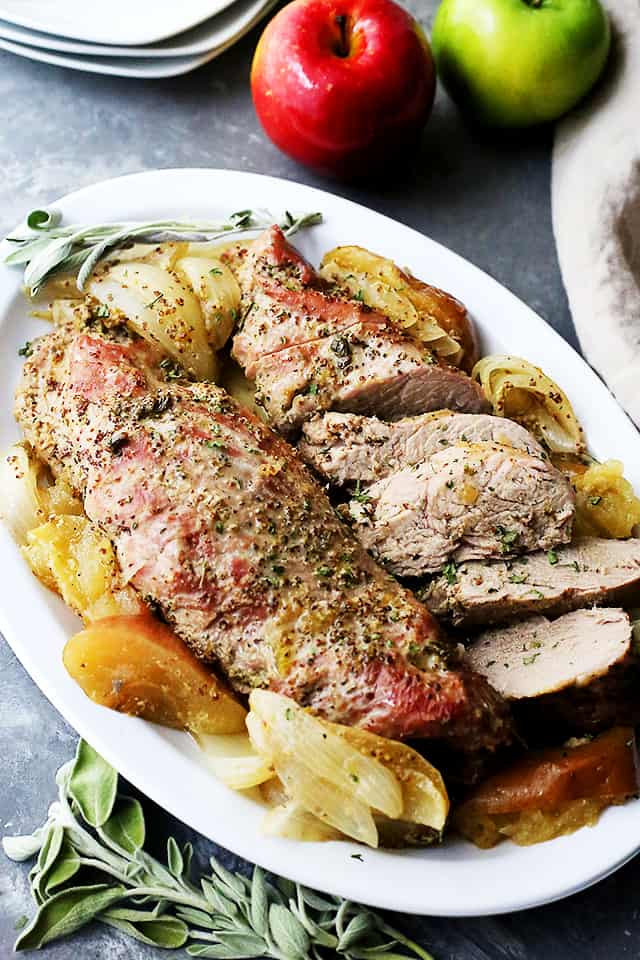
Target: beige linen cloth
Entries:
(595, 195)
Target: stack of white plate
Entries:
(126, 38)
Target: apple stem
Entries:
(342, 49)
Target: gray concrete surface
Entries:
(484, 196)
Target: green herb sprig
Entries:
(45, 248)
(91, 865)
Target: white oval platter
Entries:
(452, 880)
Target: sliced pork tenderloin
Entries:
(309, 348)
(588, 571)
(349, 449)
(578, 673)
(466, 501)
(215, 519)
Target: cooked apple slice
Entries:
(552, 792)
(137, 665)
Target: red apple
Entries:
(344, 86)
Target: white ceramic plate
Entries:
(200, 39)
(122, 22)
(232, 25)
(455, 879)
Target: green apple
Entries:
(514, 63)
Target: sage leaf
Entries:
(287, 888)
(67, 912)
(217, 900)
(46, 859)
(45, 262)
(315, 900)
(288, 933)
(166, 932)
(197, 918)
(26, 253)
(357, 928)
(93, 785)
(235, 888)
(174, 858)
(125, 827)
(217, 950)
(249, 944)
(43, 219)
(66, 866)
(187, 856)
(259, 911)
(26, 847)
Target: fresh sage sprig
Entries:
(45, 248)
(91, 865)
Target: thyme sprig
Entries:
(45, 248)
(91, 865)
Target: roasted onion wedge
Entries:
(426, 313)
(520, 391)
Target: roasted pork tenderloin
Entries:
(467, 501)
(217, 522)
(310, 348)
(586, 572)
(576, 674)
(350, 450)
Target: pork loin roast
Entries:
(348, 449)
(576, 673)
(215, 519)
(588, 571)
(466, 501)
(309, 348)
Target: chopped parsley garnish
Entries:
(27, 350)
(288, 713)
(360, 495)
(518, 578)
(312, 388)
(359, 296)
(552, 557)
(101, 311)
(527, 661)
(219, 527)
(342, 349)
(324, 571)
(450, 484)
(355, 777)
(450, 572)
(218, 444)
(155, 406)
(594, 501)
(507, 538)
(215, 272)
(357, 856)
(171, 368)
(155, 300)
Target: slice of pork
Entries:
(588, 571)
(349, 449)
(310, 348)
(579, 671)
(466, 501)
